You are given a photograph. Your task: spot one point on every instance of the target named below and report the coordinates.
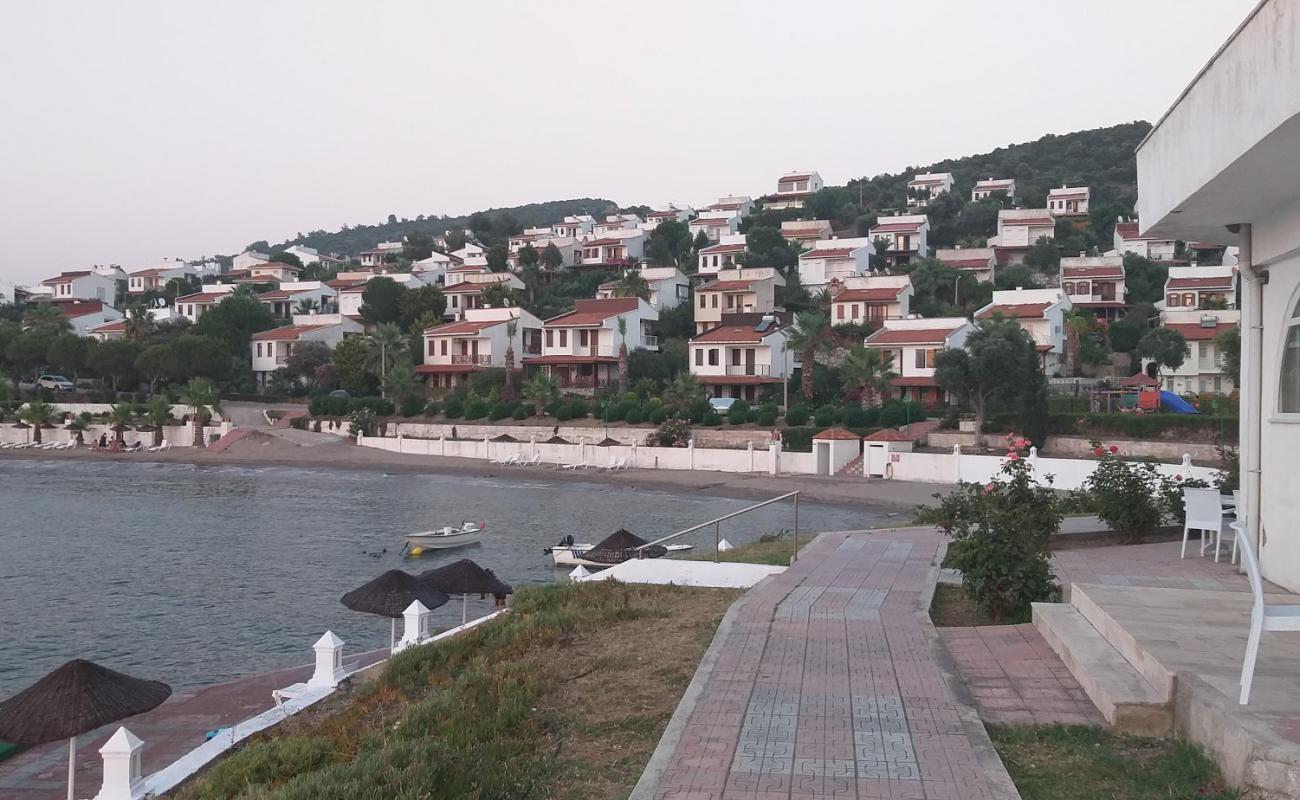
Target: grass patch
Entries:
(953, 608)
(770, 548)
(564, 697)
(1072, 762)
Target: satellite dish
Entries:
(160, 302)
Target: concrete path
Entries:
(829, 681)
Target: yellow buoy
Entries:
(417, 551)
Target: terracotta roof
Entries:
(462, 327)
(110, 327)
(909, 336)
(735, 380)
(151, 272)
(723, 248)
(1218, 282)
(203, 297)
(735, 333)
(888, 435)
(1194, 332)
(794, 176)
(1063, 194)
(1100, 304)
(287, 333)
(338, 284)
(896, 227)
(926, 182)
(1091, 272)
(465, 287)
(425, 369)
(282, 294)
(887, 294)
(65, 277)
(590, 313)
(1003, 254)
(1127, 230)
(712, 222)
(601, 242)
(1044, 348)
(835, 252)
(663, 214)
(916, 380)
(994, 183)
(726, 286)
(81, 308)
(1139, 379)
(1016, 311)
(838, 434)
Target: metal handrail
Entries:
(717, 522)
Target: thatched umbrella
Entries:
(620, 546)
(76, 698)
(117, 431)
(390, 594)
(464, 577)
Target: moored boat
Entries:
(609, 552)
(448, 537)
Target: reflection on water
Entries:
(195, 574)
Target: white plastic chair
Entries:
(1240, 513)
(1262, 617)
(1202, 511)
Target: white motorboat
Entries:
(448, 537)
(571, 555)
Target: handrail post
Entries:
(795, 556)
(717, 540)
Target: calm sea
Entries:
(197, 574)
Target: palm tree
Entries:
(78, 425)
(307, 305)
(201, 395)
(508, 390)
(871, 370)
(541, 390)
(45, 318)
(243, 290)
(631, 284)
(158, 412)
(37, 414)
(121, 416)
(808, 337)
(683, 391)
(139, 323)
(499, 295)
(383, 347)
(622, 356)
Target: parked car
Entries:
(56, 382)
(721, 404)
(340, 393)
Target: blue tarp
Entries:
(1176, 404)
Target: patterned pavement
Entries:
(1154, 565)
(829, 681)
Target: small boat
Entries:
(569, 554)
(445, 538)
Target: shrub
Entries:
(578, 408)
(453, 409)
(855, 417)
(658, 415)
(477, 408)
(520, 412)
(268, 762)
(616, 412)
(825, 416)
(500, 411)
(798, 439)
(796, 416)
(431, 408)
(897, 412)
(671, 433)
(564, 413)
(361, 421)
(1126, 496)
(412, 406)
(739, 413)
(633, 416)
(766, 418)
(711, 418)
(631, 398)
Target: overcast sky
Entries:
(140, 130)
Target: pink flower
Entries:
(988, 488)
(1022, 443)
(1178, 477)
(1114, 449)
(1098, 451)
(1013, 455)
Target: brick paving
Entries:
(1155, 565)
(1016, 679)
(828, 682)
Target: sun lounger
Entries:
(579, 465)
(510, 459)
(531, 462)
(158, 448)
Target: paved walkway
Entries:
(829, 681)
(1016, 679)
(1155, 565)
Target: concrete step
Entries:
(1125, 698)
(851, 469)
(1124, 642)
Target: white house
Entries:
(804, 232)
(834, 259)
(467, 292)
(574, 226)
(86, 315)
(914, 345)
(923, 188)
(380, 254)
(82, 284)
(617, 222)
(1202, 369)
(478, 341)
(988, 186)
(1019, 228)
(905, 236)
(1068, 201)
(738, 204)
(653, 219)
(271, 349)
(738, 360)
(570, 251)
(284, 301)
(248, 259)
(669, 288)
(871, 299)
(715, 225)
(471, 255)
(1041, 313)
(613, 248)
(723, 255)
(273, 272)
(308, 255)
(434, 268)
(1095, 283)
(980, 262)
(580, 348)
(193, 306)
(793, 188)
(1129, 240)
(746, 290)
(154, 279)
(1201, 288)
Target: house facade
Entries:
(834, 260)
(154, 279)
(985, 188)
(1068, 201)
(82, 285)
(1127, 239)
(805, 232)
(194, 306)
(905, 237)
(467, 292)
(723, 255)
(923, 188)
(455, 350)
(574, 226)
(86, 315)
(580, 348)
(248, 259)
(1041, 313)
(871, 299)
(1096, 283)
(1202, 370)
(669, 288)
(741, 360)
(271, 349)
(613, 248)
(715, 225)
(284, 301)
(979, 262)
(1019, 228)
(654, 218)
(793, 188)
(747, 290)
(914, 344)
(1207, 288)
(273, 272)
(380, 254)
(738, 204)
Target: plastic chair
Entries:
(1202, 511)
(1262, 617)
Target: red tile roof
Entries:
(462, 327)
(1061, 194)
(926, 182)
(110, 327)
(465, 287)
(829, 252)
(591, 313)
(1194, 332)
(288, 333)
(726, 286)
(909, 336)
(1127, 230)
(65, 277)
(888, 435)
(994, 183)
(723, 248)
(1018, 311)
(735, 333)
(711, 222)
(965, 263)
(203, 297)
(1091, 272)
(282, 294)
(838, 434)
(1218, 282)
(1029, 221)
(800, 176)
(877, 295)
(663, 214)
(601, 242)
(896, 227)
(80, 308)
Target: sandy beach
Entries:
(292, 448)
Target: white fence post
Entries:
(750, 447)
(415, 626)
(774, 450)
(690, 449)
(1187, 466)
(633, 464)
(329, 661)
(121, 756)
(956, 463)
(1033, 461)
(442, 443)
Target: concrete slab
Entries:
(707, 574)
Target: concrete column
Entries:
(415, 626)
(1033, 461)
(329, 661)
(121, 755)
(956, 463)
(632, 462)
(750, 447)
(774, 451)
(1187, 466)
(442, 445)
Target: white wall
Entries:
(1068, 473)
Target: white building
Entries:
(248, 259)
(923, 188)
(570, 251)
(871, 299)
(613, 248)
(980, 262)
(283, 302)
(86, 315)
(834, 259)
(1019, 228)
(914, 345)
(723, 255)
(738, 204)
(1202, 369)
(618, 222)
(193, 306)
(988, 186)
(434, 268)
(653, 219)
(574, 226)
(1041, 313)
(905, 236)
(747, 290)
(1201, 288)
(1068, 201)
(580, 348)
(467, 291)
(478, 341)
(739, 360)
(154, 279)
(380, 254)
(793, 188)
(715, 225)
(308, 255)
(1128, 240)
(271, 349)
(1095, 283)
(805, 232)
(82, 284)
(669, 288)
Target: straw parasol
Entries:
(464, 577)
(620, 546)
(78, 697)
(390, 594)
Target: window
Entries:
(444, 347)
(582, 337)
(259, 349)
(1173, 300)
(715, 301)
(1189, 300)
(699, 356)
(855, 310)
(735, 357)
(550, 340)
(839, 311)
(432, 349)
(564, 338)
(704, 301)
(1288, 401)
(919, 361)
(713, 356)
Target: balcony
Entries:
(471, 359)
(749, 369)
(1209, 365)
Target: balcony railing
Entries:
(748, 369)
(469, 358)
(585, 382)
(1209, 365)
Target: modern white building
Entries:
(1202, 370)
(1019, 228)
(672, 212)
(988, 186)
(1208, 288)
(738, 204)
(271, 349)
(380, 254)
(478, 341)
(905, 236)
(154, 279)
(613, 248)
(308, 255)
(580, 348)
(805, 232)
(715, 224)
(193, 306)
(923, 188)
(669, 288)
(980, 262)
(739, 360)
(1069, 201)
(1095, 283)
(574, 226)
(1041, 313)
(248, 259)
(914, 344)
(284, 301)
(793, 188)
(746, 290)
(834, 259)
(871, 299)
(723, 255)
(84, 284)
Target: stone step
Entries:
(851, 469)
(1124, 642)
(1125, 698)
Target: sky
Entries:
(141, 130)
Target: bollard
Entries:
(329, 661)
(121, 756)
(415, 626)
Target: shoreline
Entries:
(266, 449)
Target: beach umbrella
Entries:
(620, 546)
(464, 577)
(390, 594)
(76, 698)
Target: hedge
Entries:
(798, 439)
(1175, 427)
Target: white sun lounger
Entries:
(531, 462)
(160, 447)
(579, 465)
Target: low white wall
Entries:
(178, 411)
(175, 435)
(1067, 473)
(721, 437)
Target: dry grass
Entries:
(770, 548)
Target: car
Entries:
(56, 382)
(721, 404)
(340, 393)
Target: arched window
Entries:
(1288, 393)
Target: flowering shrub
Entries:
(1000, 533)
(361, 421)
(672, 433)
(1134, 498)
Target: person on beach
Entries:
(103, 441)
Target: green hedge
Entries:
(1176, 427)
(798, 439)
